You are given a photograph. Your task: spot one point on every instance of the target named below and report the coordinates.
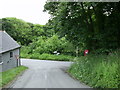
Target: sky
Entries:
(27, 10)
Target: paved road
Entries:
(46, 74)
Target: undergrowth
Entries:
(98, 71)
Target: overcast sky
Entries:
(27, 10)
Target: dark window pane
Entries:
(0, 58)
(11, 54)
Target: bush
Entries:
(43, 48)
(99, 71)
(49, 45)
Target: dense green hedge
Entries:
(100, 71)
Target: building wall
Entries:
(0, 62)
(9, 62)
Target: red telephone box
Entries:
(86, 52)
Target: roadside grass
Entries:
(98, 71)
(9, 75)
(46, 56)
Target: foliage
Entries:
(9, 75)
(74, 27)
(26, 52)
(87, 24)
(17, 29)
(46, 56)
(29, 52)
(49, 45)
(39, 38)
(23, 32)
(98, 71)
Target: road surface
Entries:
(46, 74)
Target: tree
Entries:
(18, 29)
(86, 24)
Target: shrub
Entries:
(49, 45)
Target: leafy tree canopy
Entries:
(90, 25)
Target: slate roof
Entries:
(7, 43)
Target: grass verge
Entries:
(98, 71)
(9, 75)
(48, 57)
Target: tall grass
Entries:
(99, 71)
